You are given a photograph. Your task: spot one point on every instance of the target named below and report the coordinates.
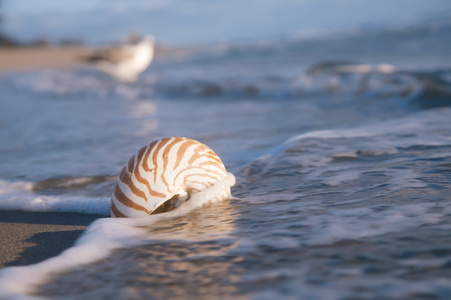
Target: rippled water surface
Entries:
(343, 175)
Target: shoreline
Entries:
(30, 237)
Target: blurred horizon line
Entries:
(194, 22)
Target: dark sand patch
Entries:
(28, 237)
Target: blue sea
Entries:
(340, 145)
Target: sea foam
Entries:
(20, 196)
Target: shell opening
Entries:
(172, 203)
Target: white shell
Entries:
(168, 169)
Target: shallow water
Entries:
(342, 177)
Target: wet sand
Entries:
(27, 237)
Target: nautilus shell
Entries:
(163, 175)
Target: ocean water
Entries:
(340, 150)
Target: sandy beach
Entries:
(32, 58)
(13, 59)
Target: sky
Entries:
(190, 22)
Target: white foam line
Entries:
(19, 196)
(97, 242)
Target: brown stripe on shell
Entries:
(155, 155)
(215, 157)
(131, 164)
(201, 175)
(217, 172)
(210, 163)
(145, 163)
(126, 179)
(165, 161)
(115, 211)
(196, 155)
(190, 190)
(182, 150)
(219, 162)
(122, 198)
(142, 180)
(195, 167)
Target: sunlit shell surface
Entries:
(164, 174)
